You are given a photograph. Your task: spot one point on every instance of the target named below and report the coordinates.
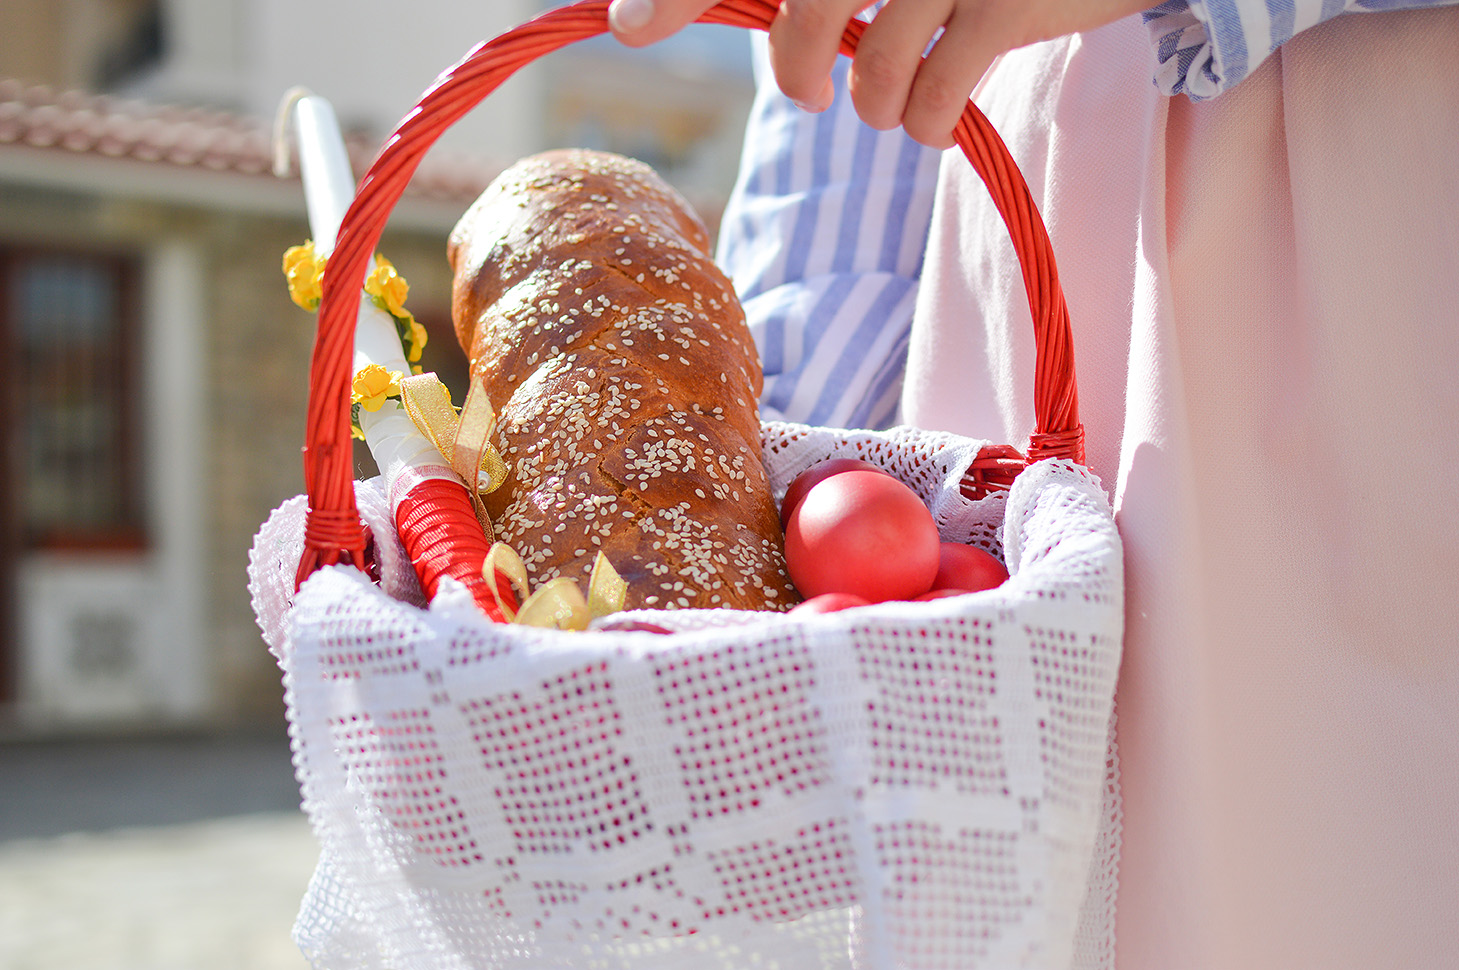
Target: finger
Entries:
(888, 57)
(638, 23)
(805, 39)
(947, 77)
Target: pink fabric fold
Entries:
(1265, 296)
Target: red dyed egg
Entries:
(818, 472)
(862, 532)
(829, 603)
(630, 626)
(967, 568)
(940, 594)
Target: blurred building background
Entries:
(158, 369)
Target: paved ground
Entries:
(184, 853)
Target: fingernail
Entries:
(814, 107)
(629, 16)
(822, 100)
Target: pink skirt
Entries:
(1265, 297)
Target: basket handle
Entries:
(333, 533)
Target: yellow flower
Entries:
(388, 287)
(415, 337)
(303, 267)
(373, 384)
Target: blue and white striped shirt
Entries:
(823, 237)
(1206, 46)
(825, 230)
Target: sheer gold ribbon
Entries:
(463, 439)
(557, 603)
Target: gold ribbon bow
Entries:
(463, 439)
(557, 603)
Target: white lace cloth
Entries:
(919, 785)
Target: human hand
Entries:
(891, 83)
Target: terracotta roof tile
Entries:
(73, 121)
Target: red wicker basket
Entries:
(436, 521)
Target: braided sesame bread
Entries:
(625, 380)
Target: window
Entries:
(135, 43)
(68, 322)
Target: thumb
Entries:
(638, 23)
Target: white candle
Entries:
(329, 188)
(324, 166)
